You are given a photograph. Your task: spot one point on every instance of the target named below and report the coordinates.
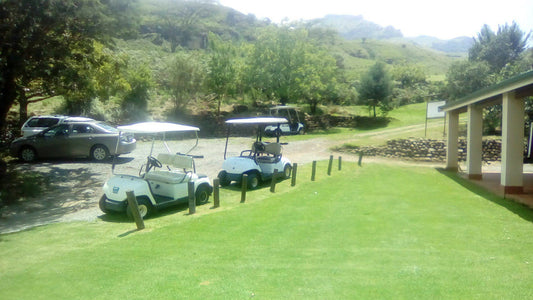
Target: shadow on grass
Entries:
(519, 209)
(237, 186)
(116, 217)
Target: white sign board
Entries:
(432, 110)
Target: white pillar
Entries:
(474, 151)
(452, 140)
(512, 144)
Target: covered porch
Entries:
(511, 181)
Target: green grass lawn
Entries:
(376, 231)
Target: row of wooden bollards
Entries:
(244, 187)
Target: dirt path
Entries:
(76, 185)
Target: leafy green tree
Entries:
(408, 75)
(492, 58)
(186, 77)
(86, 77)
(466, 77)
(500, 48)
(316, 79)
(135, 101)
(40, 39)
(222, 65)
(375, 88)
(276, 56)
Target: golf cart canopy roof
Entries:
(156, 127)
(258, 120)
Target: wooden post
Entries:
(340, 163)
(360, 158)
(274, 179)
(192, 202)
(134, 206)
(244, 186)
(216, 192)
(330, 164)
(313, 171)
(293, 175)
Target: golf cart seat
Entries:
(268, 148)
(176, 160)
(267, 152)
(181, 162)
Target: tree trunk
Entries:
(8, 95)
(23, 107)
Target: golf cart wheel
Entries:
(287, 171)
(99, 152)
(28, 154)
(145, 208)
(102, 206)
(253, 181)
(202, 194)
(223, 178)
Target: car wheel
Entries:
(28, 154)
(224, 178)
(202, 194)
(253, 181)
(287, 171)
(99, 152)
(145, 208)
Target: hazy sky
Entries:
(442, 19)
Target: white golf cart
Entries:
(260, 161)
(157, 187)
(293, 126)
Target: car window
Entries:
(42, 122)
(107, 127)
(82, 128)
(59, 130)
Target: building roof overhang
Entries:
(521, 84)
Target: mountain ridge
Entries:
(353, 27)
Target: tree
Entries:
(408, 75)
(222, 75)
(186, 77)
(498, 49)
(39, 37)
(376, 87)
(135, 101)
(273, 62)
(466, 77)
(316, 78)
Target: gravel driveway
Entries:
(76, 185)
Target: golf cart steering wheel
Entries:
(152, 163)
(259, 146)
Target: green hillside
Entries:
(230, 24)
(357, 55)
(360, 55)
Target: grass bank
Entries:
(377, 231)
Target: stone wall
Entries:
(427, 150)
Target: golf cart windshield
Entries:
(157, 131)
